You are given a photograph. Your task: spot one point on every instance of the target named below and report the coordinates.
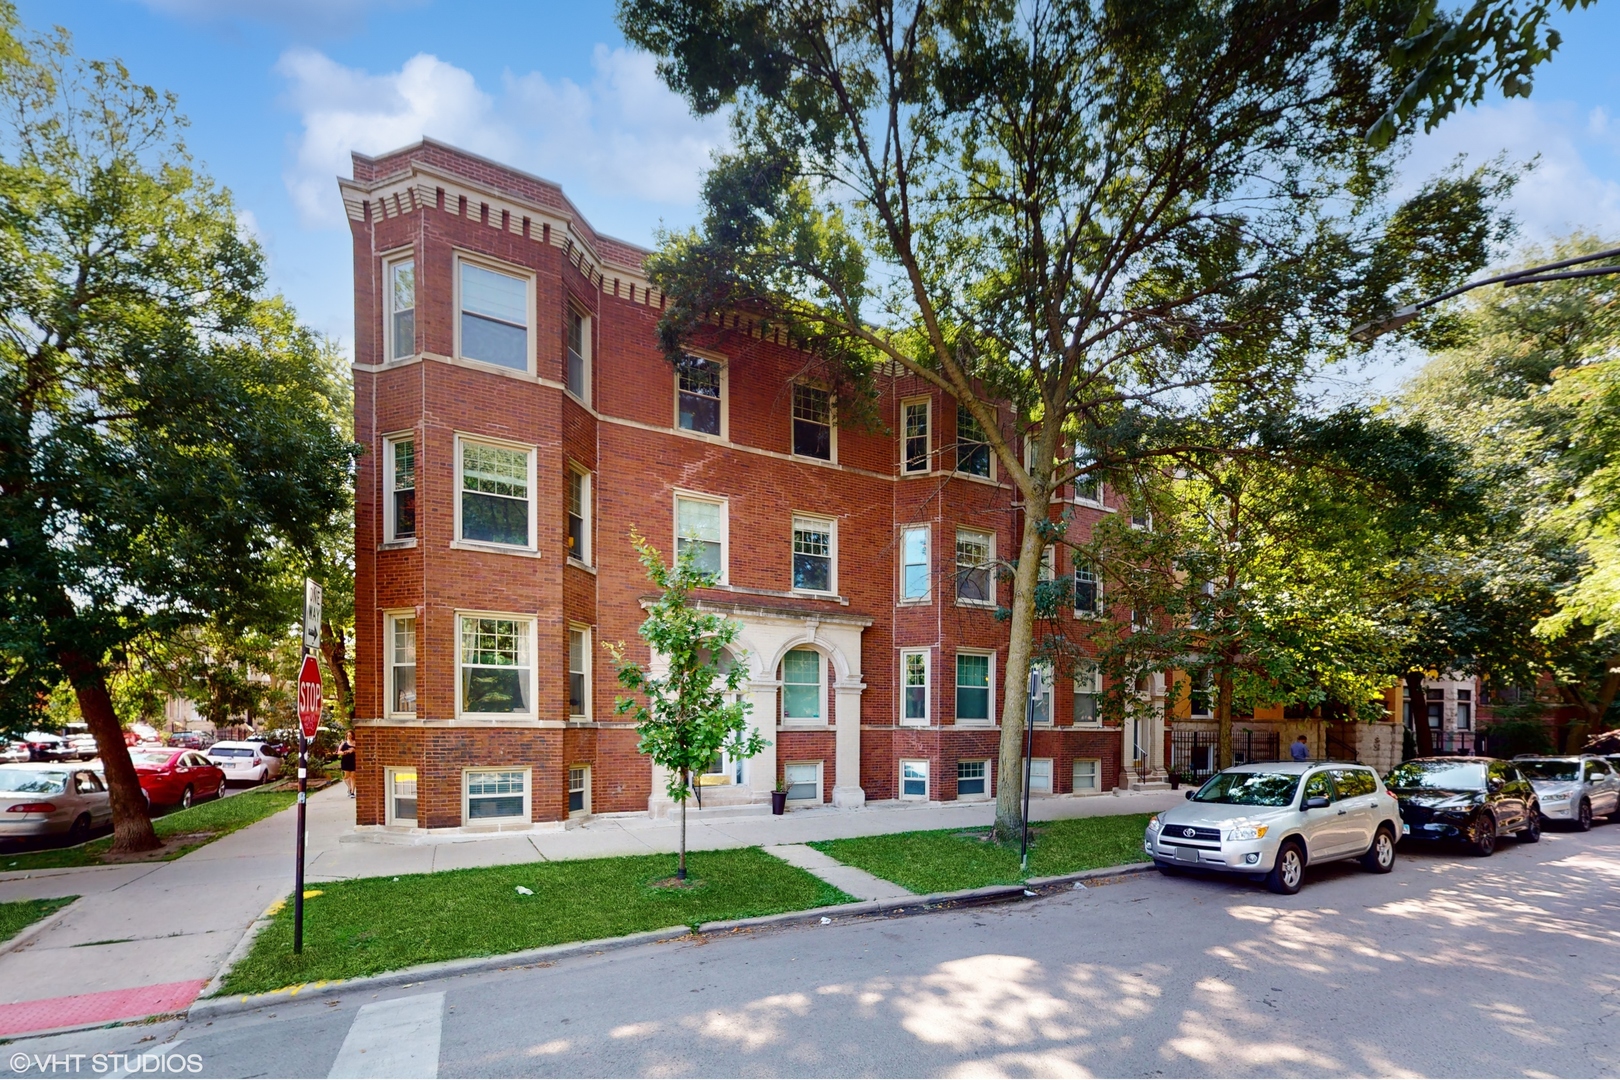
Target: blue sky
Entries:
(279, 91)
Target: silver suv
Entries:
(1272, 819)
(1573, 788)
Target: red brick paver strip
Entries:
(102, 1008)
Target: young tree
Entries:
(694, 709)
(164, 437)
(1103, 215)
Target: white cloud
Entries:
(622, 135)
(1564, 192)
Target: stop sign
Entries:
(309, 696)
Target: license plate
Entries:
(1406, 830)
(1187, 854)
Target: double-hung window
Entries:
(975, 574)
(496, 658)
(1085, 774)
(914, 446)
(914, 779)
(973, 688)
(914, 575)
(579, 790)
(802, 698)
(400, 283)
(698, 396)
(1465, 710)
(1087, 589)
(700, 526)
(491, 796)
(972, 779)
(1087, 488)
(494, 317)
(579, 673)
(972, 445)
(401, 642)
(1042, 702)
(402, 796)
(812, 422)
(1200, 698)
(1087, 690)
(1040, 775)
(495, 486)
(813, 555)
(578, 373)
(914, 679)
(803, 780)
(399, 488)
(579, 515)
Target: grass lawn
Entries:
(216, 817)
(370, 925)
(21, 913)
(947, 859)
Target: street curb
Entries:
(29, 933)
(1088, 875)
(208, 1008)
(990, 894)
(243, 944)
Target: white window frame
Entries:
(587, 496)
(389, 442)
(585, 658)
(390, 618)
(569, 790)
(990, 698)
(725, 526)
(824, 667)
(1048, 678)
(534, 673)
(831, 524)
(391, 355)
(990, 451)
(1096, 775)
(725, 401)
(1096, 612)
(1093, 687)
(820, 768)
(390, 778)
(926, 779)
(498, 267)
(989, 780)
(526, 448)
(989, 568)
(927, 596)
(466, 797)
(927, 687)
(1193, 687)
(928, 436)
(1142, 521)
(1032, 763)
(586, 332)
(832, 422)
(1048, 570)
(1074, 484)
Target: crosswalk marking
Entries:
(398, 1038)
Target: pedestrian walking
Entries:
(346, 761)
(1301, 749)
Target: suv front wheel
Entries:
(1483, 840)
(1288, 872)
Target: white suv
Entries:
(249, 761)
(1272, 819)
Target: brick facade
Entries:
(439, 206)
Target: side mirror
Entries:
(1316, 802)
(1494, 786)
(1190, 794)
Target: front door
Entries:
(1324, 827)
(1357, 792)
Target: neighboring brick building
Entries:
(519, 420)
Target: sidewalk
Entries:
(145, 939)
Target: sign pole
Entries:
(309, 719)
(1029, 759)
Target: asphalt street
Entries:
(1450, 966)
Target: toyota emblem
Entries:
(1189, 833)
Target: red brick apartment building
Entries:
(519, 421)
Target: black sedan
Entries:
(1474, 800)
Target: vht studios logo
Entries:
(102, 1064)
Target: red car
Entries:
(176, 777)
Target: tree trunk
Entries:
(1418, 704)
(335, 650)
(686, 782)
(1223, 717)
(1015, 685)
(132, 823)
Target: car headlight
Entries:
(1560, 797)
(1153, 823)
(1247, 832)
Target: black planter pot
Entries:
(778, 802)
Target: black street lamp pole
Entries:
(1530, 275)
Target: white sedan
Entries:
(42, 799)
(247, 762)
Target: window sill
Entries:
(495, 549)
(493, 368)
(804, 725)
(915, 724)
(702, 435)
(915, 601)
(578, 565)
(919, 474)
(982, 725)
(988, 605)
(816, 594)
(808, 460)
(397, 545)
(977, 479)
(1087, 727)
(577, 399)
